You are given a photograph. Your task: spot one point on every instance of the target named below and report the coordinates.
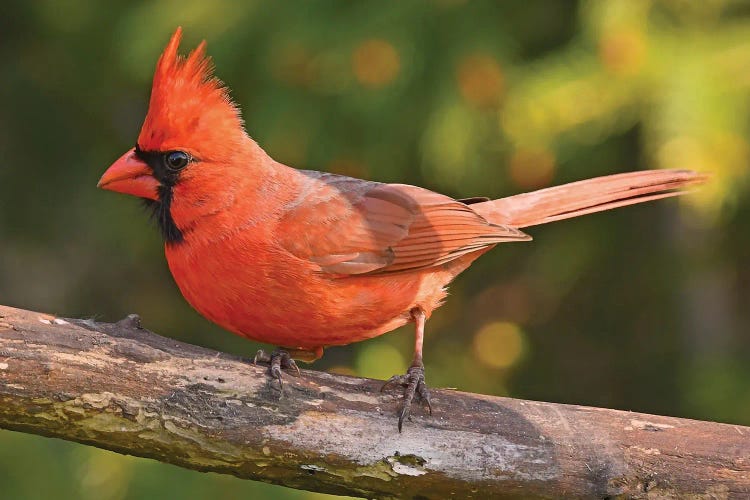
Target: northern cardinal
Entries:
(303, 259)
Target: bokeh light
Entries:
(623, 53)
(498, 344)
(379, 360)
(532, 169)
(481, 80)
(375, 63)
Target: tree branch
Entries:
(120, 387)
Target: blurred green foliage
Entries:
(645, 308)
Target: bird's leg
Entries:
(277, 360)
(413, 381)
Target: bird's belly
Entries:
(273, 297)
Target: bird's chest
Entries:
(233, 280)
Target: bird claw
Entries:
(277, 361)
(414, 384)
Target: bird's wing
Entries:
(358, 227)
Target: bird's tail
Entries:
(585, 197)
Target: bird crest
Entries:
(189, 108)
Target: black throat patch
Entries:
(161, 208)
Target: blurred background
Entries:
(645, 308)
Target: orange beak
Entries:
(130, 175)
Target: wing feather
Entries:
(371, 228)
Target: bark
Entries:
(123, 388)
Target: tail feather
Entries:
(588, 196)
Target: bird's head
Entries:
(191, 133)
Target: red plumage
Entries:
(304, 259)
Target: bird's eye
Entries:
(176, 160)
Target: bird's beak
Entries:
(132, 176)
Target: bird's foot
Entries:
(414, 384)
(277, 361)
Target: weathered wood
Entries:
(121, 387)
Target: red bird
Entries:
(305, 260)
